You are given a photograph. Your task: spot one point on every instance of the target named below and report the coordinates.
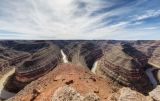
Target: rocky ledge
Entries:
(73, 81)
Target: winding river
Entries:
(151, 76)
(65, 60)
(4, 94)
(94, 67)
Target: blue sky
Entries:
(80, 19)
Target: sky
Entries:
(80, 19)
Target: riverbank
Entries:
(3, 93)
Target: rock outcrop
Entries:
(68, 93)
(155, 94)
(126, 94)
(154, 60)
(75, 81)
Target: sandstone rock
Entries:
(67, 93)
(123, 63)
(126, 94)
(155, 94)
(154, 60)
(158, 76)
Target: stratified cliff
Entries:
(84, 53)
(125, 64)
(27, 46)
(155, 58)
(38, 64)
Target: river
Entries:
(4, 94)
(93, 70)
(65, 60)
(151, 76)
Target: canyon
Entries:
(88, 70)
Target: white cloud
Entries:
(61, 19)
(148, 14)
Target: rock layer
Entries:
(154, 60)
(40, 63)
(83, 53)
(125, 64)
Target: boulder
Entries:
(155, 93)
(126, 94)
(68, 93)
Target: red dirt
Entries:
(66, 74)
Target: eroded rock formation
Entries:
(154, 60)
(40, 63)
(83, 53)
(68, 93)
(126, 94)
(122, 61)
(125, 64)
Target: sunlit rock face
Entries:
(155, 58)
(68, 93)
(155, 93)
(38, 64)
(125, 64)
(126, 94)
(83, 53)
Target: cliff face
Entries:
(126, 94)
(35, 62)
(83, 53)
(67, 79)
(125, 64)
(155, 58)
(38, 64)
